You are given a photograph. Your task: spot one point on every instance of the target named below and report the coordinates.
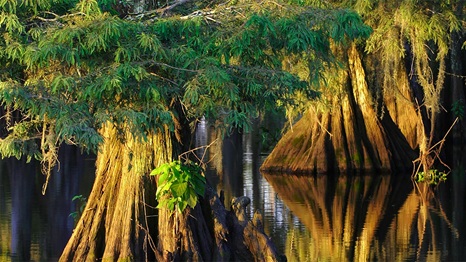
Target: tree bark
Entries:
(119, 219)
(208, 232)
(349, 137)
(114, 225)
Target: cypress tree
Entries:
(128, 81)
(396, 94)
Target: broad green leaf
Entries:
(178, 189)
(162, 189)
(163, 177)
(199, 186)
(158, 170)
(176, 173)
(162, 203)
(192, 199)
(171, 204)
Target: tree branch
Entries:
(160, 11)
(171, 6)
(56, 16)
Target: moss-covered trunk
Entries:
(114, 224)
(351, 136)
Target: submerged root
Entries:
(209, 232)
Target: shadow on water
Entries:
(36, 227)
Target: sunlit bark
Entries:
(121, 223)
(185, 236)
(395, 98)
(349, 137)
(113, 225)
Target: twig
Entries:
(435, 149)
(57, 17)
(148, 238)
(201, 160)
(162, 10)
(164, 79)
(173, 67)
(319, 122)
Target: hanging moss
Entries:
(396, 85)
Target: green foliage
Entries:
(425, 27)
(179, 185)
(432, 177)
(71, 66)
(81, 204)
(458, 108)
(16, 147)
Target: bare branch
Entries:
(171, 6)
(56, 16)
(160, 11)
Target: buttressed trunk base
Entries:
(349, 137)
(113, 227)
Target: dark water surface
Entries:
(36, 227)
(310, 218)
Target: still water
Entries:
(36, 227)
(310, 218)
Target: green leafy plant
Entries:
(82, 201)
(179, 184)
(431, 176)
(458, 108)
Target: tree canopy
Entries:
(71, 66)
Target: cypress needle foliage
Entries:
(70, 66)
(424, 26)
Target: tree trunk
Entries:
(185, 236)
(119, 221)
(114, 225)
(394, 95)
(349, 137)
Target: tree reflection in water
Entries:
(342, 218)
(33, 226)
(366, 218)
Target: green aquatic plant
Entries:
(431, 176)
(179, 184)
